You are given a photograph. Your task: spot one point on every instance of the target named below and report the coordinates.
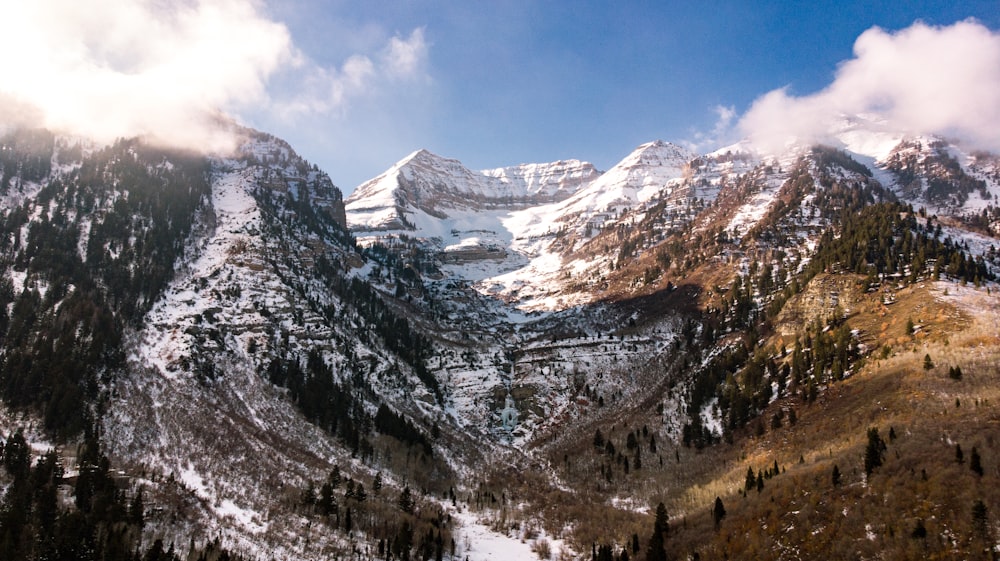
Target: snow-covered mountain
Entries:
(423, 185)
(525, 249)
(232, 341)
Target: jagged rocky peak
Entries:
(427, 183)
(930, 171)
(638, 177)
(658, 153)
(553, 181)
(652, 163)
(287, 173)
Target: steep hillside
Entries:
(204, 317)
(198, 351)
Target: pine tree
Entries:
(325, 503)
(406, 500)
(656, 550)
(975, 462)
(959, 456)
(874, 451)
(928, 364)
(718, 512)
(920, 530)
(836, 476)
(751, 480)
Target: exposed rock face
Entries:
(427, 183)
(930, 171)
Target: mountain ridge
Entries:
(247, 356)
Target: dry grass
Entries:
(799, 514)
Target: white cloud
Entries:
(922, 79)
(725, 119)
(722, 131)
(404, 57)
(332, 90)
(167, 69)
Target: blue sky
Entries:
(355, 86)
(513, 82)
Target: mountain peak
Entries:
(424, 183)
(662, 149)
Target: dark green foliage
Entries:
(406, 502)
(835, 476)
(947, 182)
(323, 400)
(874, 451)
(928, 363)
(139, 212)
(105, 522)
(828, 158)
(975, 462)
(395, 331)
(389, 423)
(598, 439)
(919, 530)
(885, 239)
(656, 550)
(26, 155)
(718, 512)
(751, 480)
(604, 552)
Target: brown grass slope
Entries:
(920, 502)
(801, 514)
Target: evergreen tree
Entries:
(718, 512)
(959, 456)
(874, 451)
(836, 476)
(406, 500)
(751, 480)
(920, 530)
(656, 550)
(928, 363)
(325, 502)
(975, 462)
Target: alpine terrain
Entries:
(735, 354)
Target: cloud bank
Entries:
(169, 69)
(920, 80)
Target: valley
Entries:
(453, 363)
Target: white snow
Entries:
(750, 212)
(477, 542)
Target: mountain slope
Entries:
(425, 184)
(536, 354)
